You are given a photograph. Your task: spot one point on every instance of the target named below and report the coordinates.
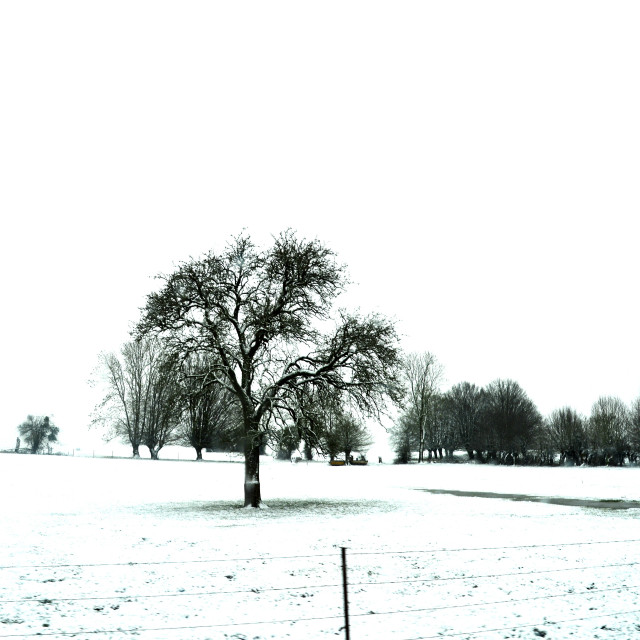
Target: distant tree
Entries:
(285, 442)
(315, 414)
(350, 435)
(308, 448)
(403, 438)
(322, 420)
(542, 450)
(38, 432)
(510, 419)
(634, 430)
(210, 415)
(140, 404)
(164, 407)
(567, 435)
(229, 439)
(422, 377)
(439, 436)
(608, 431)
(464, 406)
(265, 318)
(122, 410)
(308, 432)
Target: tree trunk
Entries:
(252, 473)
(154, 453)
(308, 453)
(136, 450)
(198, 453)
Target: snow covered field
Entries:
(163, 550)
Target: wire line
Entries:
(494, 602)
(501, 548)
(524, 626)
(259, 590)
(162, 562)
(136, 630)
(255, 590)
(317, 555)
(498, 575)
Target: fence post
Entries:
(344, 591)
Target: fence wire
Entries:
(631, 589)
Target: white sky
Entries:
(475, 164)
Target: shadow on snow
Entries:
(272, 509)
(517, 497)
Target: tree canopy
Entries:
(265, 320)
(38, 431)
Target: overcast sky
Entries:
(475, 164)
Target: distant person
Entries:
(379, 459)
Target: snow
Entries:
(164, 549)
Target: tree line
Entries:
(501, 424)
(154, 398)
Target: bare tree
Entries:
(608, 431)
(567, 435)
(440, 435)
(423, 375)
(264, 317)
(210, 414)
(38, 432)
(315, 415)
(139, 384)
(323, 420)
(403, 438)
(163, 407)
(351, 436)
(634, 430)
(121, 409)
(464, 406)
(510, 420)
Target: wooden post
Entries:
(347, 634)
